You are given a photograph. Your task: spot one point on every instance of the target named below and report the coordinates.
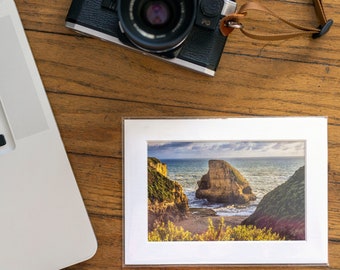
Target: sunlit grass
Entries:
(170, 232)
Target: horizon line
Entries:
(170, 158)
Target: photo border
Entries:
(139, 251)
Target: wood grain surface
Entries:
(93, 84)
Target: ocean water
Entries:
(263, 175)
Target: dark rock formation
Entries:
(166, 198)
(283, 209)
(225, 184)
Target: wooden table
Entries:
(92, 85)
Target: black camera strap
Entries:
(233, 21)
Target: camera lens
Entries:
(156, 25)
(157, 13)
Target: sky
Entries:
(226, 149)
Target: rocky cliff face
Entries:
(283, 209)
(158, 166)
(166, 198)
(223, 183)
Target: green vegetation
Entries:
(286, 200)
(283, 209)
(170, 232)
(160, 188)
(166, 198)
(153, 161)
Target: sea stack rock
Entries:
(166, 198)
(224, 184)
(283, 209)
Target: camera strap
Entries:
(233, 21)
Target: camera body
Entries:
(183, 32)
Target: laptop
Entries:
(43, 220)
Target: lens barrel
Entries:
(157, 25)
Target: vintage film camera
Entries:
(184, 32)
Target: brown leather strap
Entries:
(232, 21)
(320, 12)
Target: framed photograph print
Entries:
(235, 191)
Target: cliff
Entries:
(166, 198)
(224, 184)
(283, 209)
(158, 166)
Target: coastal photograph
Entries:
(226, 190)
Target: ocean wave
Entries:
(222, 209)
(263, 176)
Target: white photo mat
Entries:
(139, 251)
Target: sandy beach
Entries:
(197, 220)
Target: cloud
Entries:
(168, 145)
(225, 149)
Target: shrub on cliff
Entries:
(171, 232)
(160, 188)
(283, 209)
(166, 198)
